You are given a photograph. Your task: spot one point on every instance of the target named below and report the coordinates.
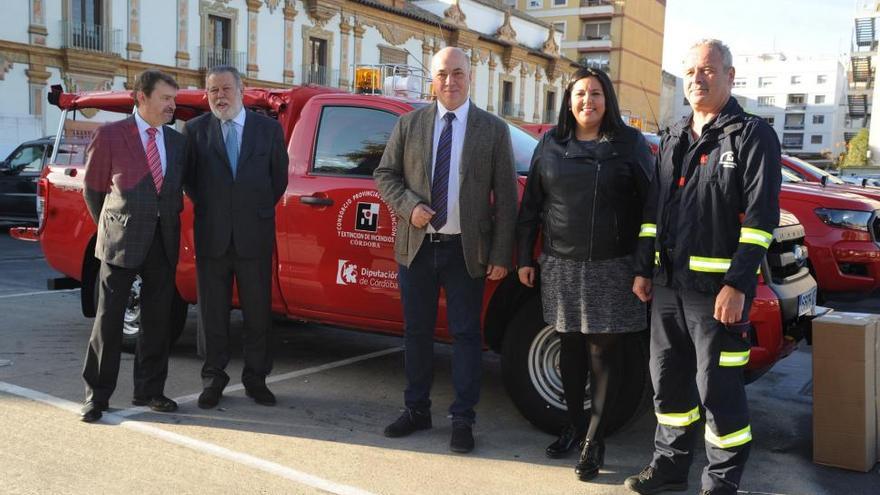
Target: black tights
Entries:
(600, 353)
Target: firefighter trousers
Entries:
(697, 364)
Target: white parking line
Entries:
(192, 443)
(276, 378)
(23, 294)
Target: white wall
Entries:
(16, 15)
(158, 31)
(270, 44)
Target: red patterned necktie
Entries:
(153, 158)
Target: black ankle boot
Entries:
(568, 440)
(592, 458)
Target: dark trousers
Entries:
(105, 344)
(697, 361)
(253, 277)
(439, 265)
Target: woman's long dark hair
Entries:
(612, 122)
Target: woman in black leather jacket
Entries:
(586, 189)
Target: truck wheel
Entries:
(131, 322)
(530, 369)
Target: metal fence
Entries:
(210, 56)
(91, 37)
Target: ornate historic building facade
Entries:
(517, 68)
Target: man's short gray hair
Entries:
(225, 69)
(718, 46)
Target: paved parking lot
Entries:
(337, 389)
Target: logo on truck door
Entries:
(346, 273)
(367, 217)
(360, 226)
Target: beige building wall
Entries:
(622, 37)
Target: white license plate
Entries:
(807, 303)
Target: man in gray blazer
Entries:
(133, 179)
(441, 169)
(237, 173)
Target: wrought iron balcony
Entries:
(91, 37)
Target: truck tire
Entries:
(132, 317)
(530, 369)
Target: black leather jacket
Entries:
(588, 203)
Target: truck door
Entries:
(18, 182)
(336, 235)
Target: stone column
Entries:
(253, 8)
(523, 73)
(182, 55)
(427, 53)
(345, 69)
(37, 28)
(359, 31)
(536, 116)
(134, 30)
(475, 59)
(289, 16)
(490, 107)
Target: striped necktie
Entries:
(440, 183)
(154, 160)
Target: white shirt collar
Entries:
(143, 125)
(461, 112)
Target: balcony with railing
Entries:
(91, 38)
(511, 110)
(211, 56)
(597, 8)
(320, 76)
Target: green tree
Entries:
(857, 151)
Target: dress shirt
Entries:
(238, 120)
(459, 126)
(142, 126)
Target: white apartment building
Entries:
(518, 71)
(803, 98)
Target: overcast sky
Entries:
(806, 27)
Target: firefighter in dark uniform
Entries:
(708, 223)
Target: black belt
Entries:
(435, 237)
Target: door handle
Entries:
(315, 201)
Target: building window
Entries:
(550, 115)
(819, 99)
(86, 29)
(766, 82)
(394, 56)
(317, 69)
(821, 79)
(818, 119)
(770, 120)
(560, 26)
(559, 3)
(766, 101)
(597, 60)
(816, 139)
(351, 140)
(536, 4)
(739, 82)
(792, 140)
(795, 80)
(797, 99)
(596, 31)
(794, 121)
(218, 42)
(507, 109)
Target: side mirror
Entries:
(824, 180)
(864, 182)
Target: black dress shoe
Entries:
(592, 458)
(462, 440)
(91, 411)
(210, 397)
(408, 422)
(261, 395)
(652, 480)
(162, 404)
(568, 439)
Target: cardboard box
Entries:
(845, 399)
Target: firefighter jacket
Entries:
(587, 202)
(727, 184)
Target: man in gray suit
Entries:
(133, 179)
(441, 167)
(237, 173)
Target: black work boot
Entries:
(592, 458)
(652, 480)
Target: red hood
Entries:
(825, 196)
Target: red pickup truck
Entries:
(334, 243)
